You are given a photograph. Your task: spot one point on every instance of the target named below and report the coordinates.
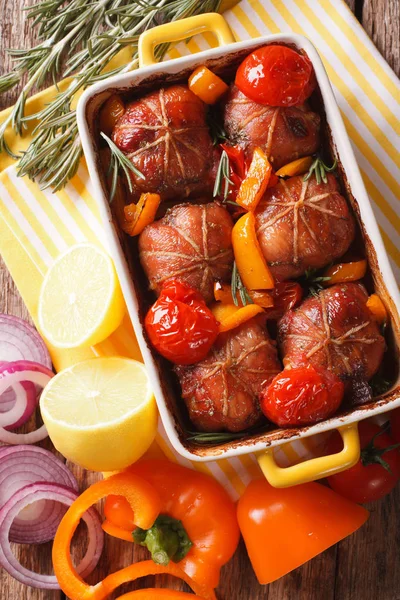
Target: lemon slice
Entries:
(101, 413)
(81, 301)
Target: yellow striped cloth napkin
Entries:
(36, 226)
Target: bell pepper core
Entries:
(207, 85)
(378, 309)
(296, 167)
(223, 294)
(344, 272)
(112, 110)
(138, 216)
(231, 316)
(251, 264)
(256, 181)
(166, 539)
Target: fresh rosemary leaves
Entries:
(237, 287)
(78, 38)
(200, 437)
(320, 169)
(119, 161)
(222, 181)
(312, 282)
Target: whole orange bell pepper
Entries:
(231, 316)
(256, 181)
(377, 308)
(138, 216)
(284, 528)
(253, 269)
(198, 509)
(145, 503)
(207, 85)
(345, 272)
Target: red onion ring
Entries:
(16, 372)
(46, 491)
(24, 465)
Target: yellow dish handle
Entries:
(180, 30)
(315, 468)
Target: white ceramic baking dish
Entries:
(151, 75)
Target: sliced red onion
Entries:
(24, 389)
(21, 466)
(34, 493)
(21, 341)
(17, 372)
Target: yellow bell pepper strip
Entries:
(112, 110)
(142, 569)
(296, 167)
(256, 181)
(377, 308)
(223, 294)
(344, 272)
(231, 316)
(138, 216)
(145, 503)
(150, 593)
(251, 264)
(207, 85)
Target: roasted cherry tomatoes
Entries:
(377, 471)
(277, 76)
(302, 396)
(180, 326)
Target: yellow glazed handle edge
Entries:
(180, 30)
(315, 468)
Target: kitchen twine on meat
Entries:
(36, 226)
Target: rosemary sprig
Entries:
(320, 169)
(119, 161)
(79, 39)
(214, 438)
(217, 131)
(312, 282)
(222, 181)
(237, 286)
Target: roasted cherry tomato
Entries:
(377, 471)
(302, 396)
(179, 324)
(395, 424)
(286, 295)
(236, 159)
(277, 76)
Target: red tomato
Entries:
(236, 159)
(395, 424)
(286, 295)
(302, 396)
(180, 326)
(369, 479)
(277, 76)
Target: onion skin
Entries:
(58, 493)
(24, 465)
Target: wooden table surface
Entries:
(362, 567)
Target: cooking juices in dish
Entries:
(265, 311)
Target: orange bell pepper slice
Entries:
(207, 85)
(296, 167)
(378, 309)
(344, 272)
(112, 110)
(256, 181)
(223, 294)
(143, 500)
(210, 524)
(285, 527)
(150, 593)
(251, 264)
(138, 216)
(231, 316)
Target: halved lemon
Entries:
(81, 301)
(101, 413)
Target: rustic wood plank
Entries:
(365, 565)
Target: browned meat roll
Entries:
(283, 133)
(192, 242)
(222, 391)
(303, 224)
(165, 136)
(334, 330)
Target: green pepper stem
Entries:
(166, 540)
